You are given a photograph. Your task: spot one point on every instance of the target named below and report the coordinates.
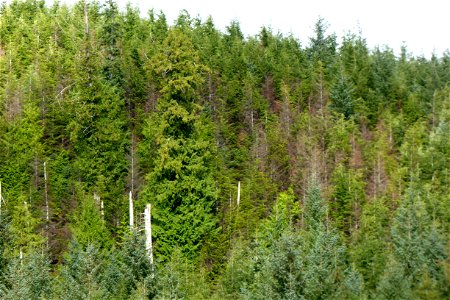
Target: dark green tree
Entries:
(97, 125)
(342, 99)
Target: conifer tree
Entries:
(419, 250)
(180, 184)
(23, 229)
(88, 225)
(97, 124)
(342, 98)
(27, 277)
(80, 276)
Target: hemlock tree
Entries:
(179, 143)
(368, 249)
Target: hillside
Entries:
(275, 168)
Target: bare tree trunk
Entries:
(131, 208)
(132, 161)
(148, 232)
(47, 214)
(86, 18)
(238, 200)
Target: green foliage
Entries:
(88, 225)
(368, 251)
(180, 113)
(394, 284)
(180, 279)
(5, 237)
(23, 230)
(80, 276)
(139, 275)
(27, 278)
(180, 183)
(341, 95)
(287, 263)
(347, 198)
(325, 256)
(316, 210)
(21, 147)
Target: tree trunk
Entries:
(148, 232)
(47, 214)
(238, 200)
(86, 18)
(131, 208)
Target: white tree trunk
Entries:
(86, 18)
(148, 232)
(47, 214)
(131, 208)
(238, 200)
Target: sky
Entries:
(423, 26)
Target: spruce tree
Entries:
(27, 277)
(80, 275)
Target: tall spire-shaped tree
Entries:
(180, 183)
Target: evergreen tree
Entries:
(368, 248)
(180, 184)
(179, 114)
(347, 198)
(97, 123)
(27, 278)
(418, 249)
(325, 257)
(88, 225)
(23, 230)
(341, 95)
(139, 273)
(80, 275)
(5, 237)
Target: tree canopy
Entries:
(275, 168)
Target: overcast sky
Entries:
(423, 25)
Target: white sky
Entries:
(424, 26)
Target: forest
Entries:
(275, 168)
